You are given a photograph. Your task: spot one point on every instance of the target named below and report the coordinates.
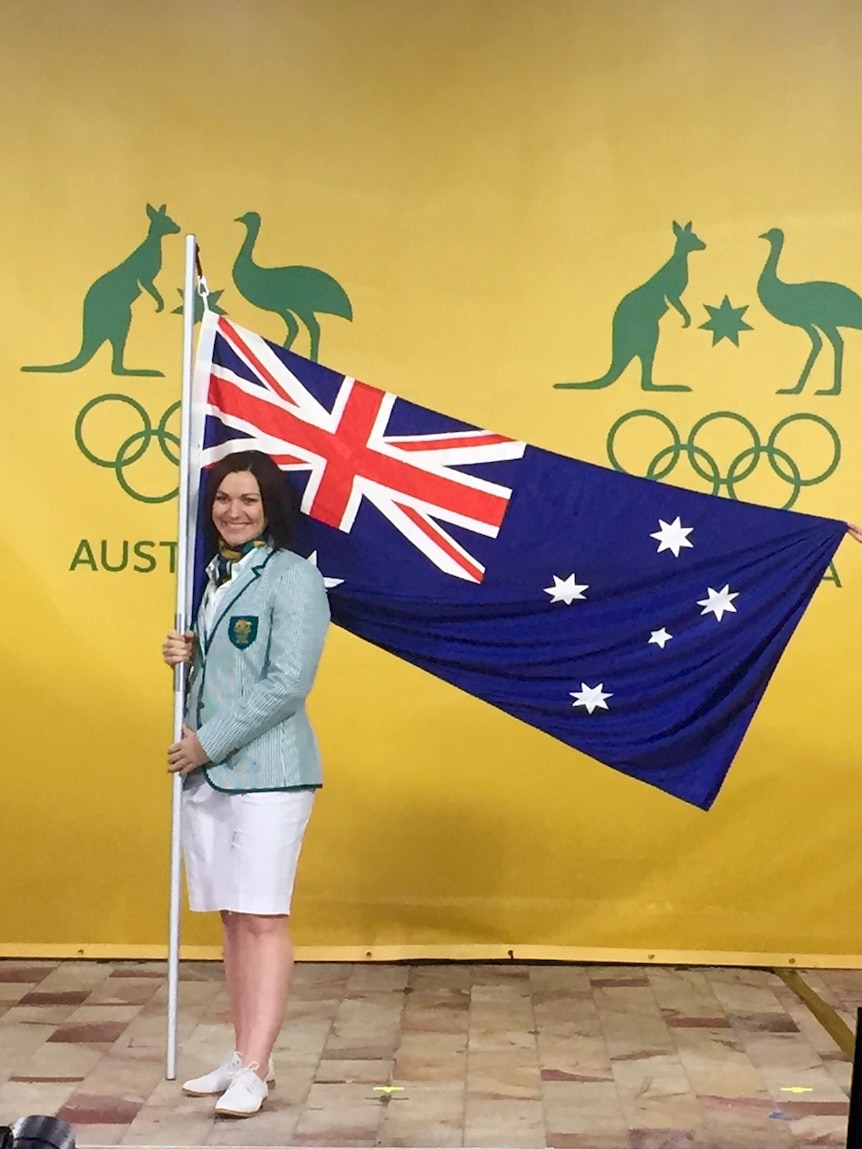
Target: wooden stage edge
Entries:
(479, 953)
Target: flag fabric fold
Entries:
(635, 621)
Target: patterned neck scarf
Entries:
(228, 555)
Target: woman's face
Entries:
(238, 508)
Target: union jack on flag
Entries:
(637, 622)
(350, 454)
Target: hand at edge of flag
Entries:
(855, 532)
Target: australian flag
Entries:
(635, 621)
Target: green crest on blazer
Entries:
(242, 630)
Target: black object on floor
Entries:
(854, 1119)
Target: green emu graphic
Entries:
(108, 302)
(635, 330)
(817, 306)
(294, 293)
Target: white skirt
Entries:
(241, 850)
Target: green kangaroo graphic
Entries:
(291, 292)
(817, 306)
(635, 328)
(108, 302)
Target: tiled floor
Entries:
(574, 1057)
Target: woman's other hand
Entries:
(178, 647)
(187, 754)
(855, 532)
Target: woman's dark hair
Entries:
(280, 505)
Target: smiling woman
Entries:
(237, 511)
(248, 755)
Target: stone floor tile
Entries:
(584, 1107)
(72, 997)
(152, 969)
(715, 1063)
(167, 1127)
(431, 1057)
(18, 1043)
(149, 1030)
(355, 1071)
(671, 1138)
(555, 1140)
(743, 994)
(783, 1063)
(54, 1060)
(509, 1074)
(340, 1097)
(18, 1098)
(722, 1111)
(377, 977)
(435, 1019)
(631, 1021)
(446, 975)
(559, 976)
(328, 1120)
(574, 1055)
(123, 991)
(504, 1121)
(35, 1015)
(303, 1040)
(201, 971)
(88, 1032)
(99, 1136)
(501, 1054)
(776, 1136)
(500, 974)
(557, 1007)
(843, 986)
(76, 975)
(82, 1108)
(136, 1072)
(30, 973)
(828, 1131)
(503, 1041)
(273, 1125)
(92, 1012)
(655, 1094)
(424, 1114)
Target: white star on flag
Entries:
(327, 582)
(566, 589)
(660, 637)
(718, 602)
(590, 697)
(672, 536)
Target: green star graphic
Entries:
(725, 322)
(199, 304)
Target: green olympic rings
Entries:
(135, 446)
(743, 465)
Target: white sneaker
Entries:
(218, 1080)
(244, 1096)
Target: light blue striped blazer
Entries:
(251, 674)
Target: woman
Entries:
(248, 755)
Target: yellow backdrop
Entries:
(486, 179)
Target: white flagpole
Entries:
(181, 623)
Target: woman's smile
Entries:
(238, 508)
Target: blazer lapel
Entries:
(239, 585)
